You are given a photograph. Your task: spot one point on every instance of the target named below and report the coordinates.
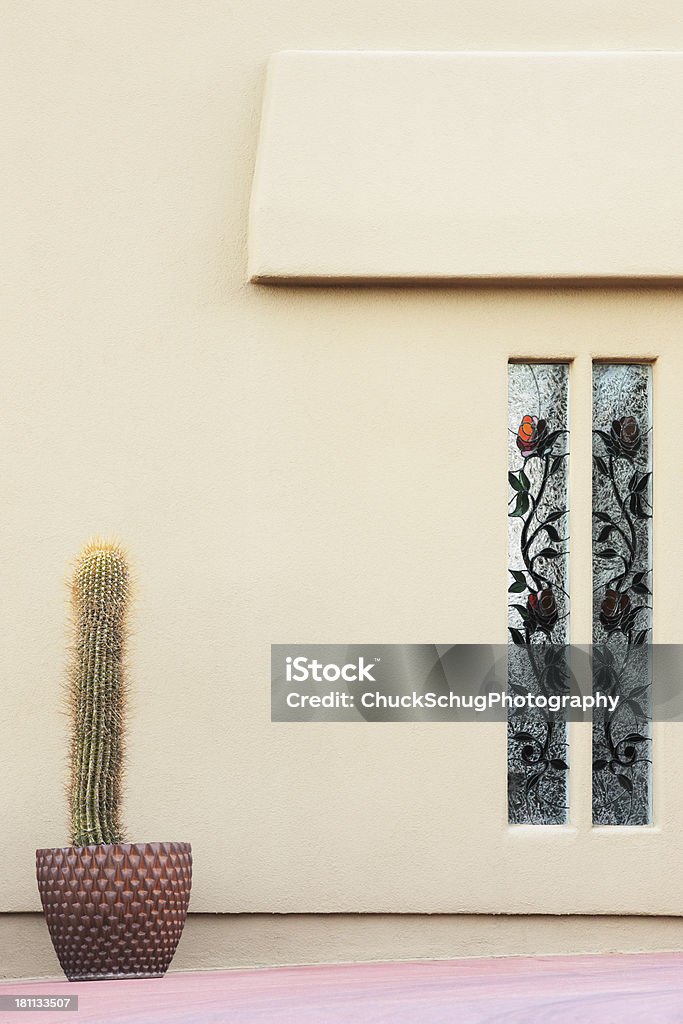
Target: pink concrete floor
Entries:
(642, 988)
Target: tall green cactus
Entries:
(100, 592)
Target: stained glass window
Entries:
(538, 606)
(622, 591)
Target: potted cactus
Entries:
(114, 909)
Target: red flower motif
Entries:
(542, 608)
(531, 435)
(616, 612)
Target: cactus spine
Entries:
(100, 591)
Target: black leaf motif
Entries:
(557, 463)
(625, 782)
(521, 505)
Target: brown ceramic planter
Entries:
(115, 911)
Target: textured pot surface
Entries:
(117, 910)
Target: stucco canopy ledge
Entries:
(446, 166)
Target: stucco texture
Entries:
(283, 464)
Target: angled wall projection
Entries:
(445, 166)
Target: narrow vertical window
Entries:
(538, 606)
(622, 591)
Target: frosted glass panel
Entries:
(538, 606)
(622, 584)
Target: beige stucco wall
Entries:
(283, 464)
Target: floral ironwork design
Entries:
(539, 600)
(622, 609)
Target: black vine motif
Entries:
(620, 662)
(537, 759)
